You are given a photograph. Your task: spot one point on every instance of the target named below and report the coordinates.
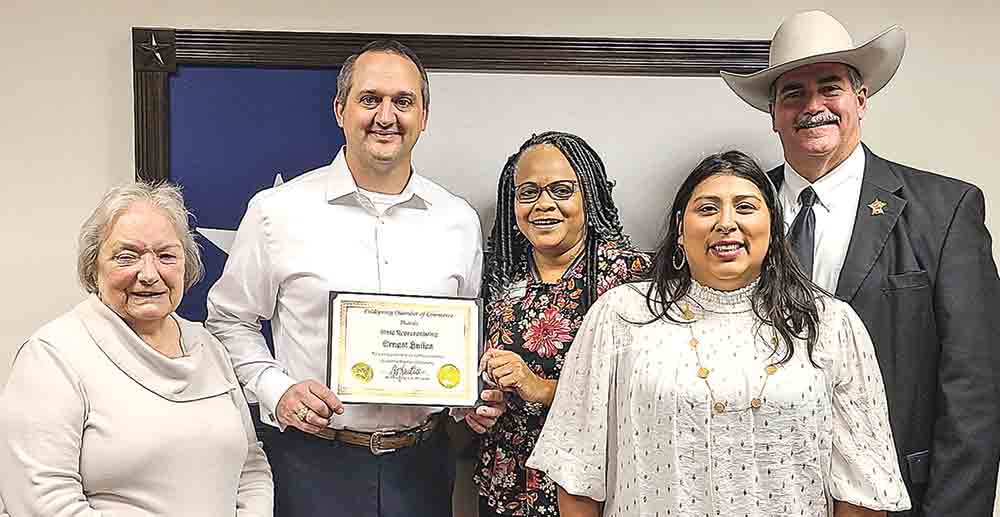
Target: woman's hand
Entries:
(510, 373)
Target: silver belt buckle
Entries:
(375, 444)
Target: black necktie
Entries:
(803, 232)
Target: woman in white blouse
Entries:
(120, 407)
(728, 385)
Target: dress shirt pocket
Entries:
(910, 280)
(918, 466)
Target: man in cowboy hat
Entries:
(908, 249)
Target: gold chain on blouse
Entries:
(720, 406)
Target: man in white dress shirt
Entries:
(908, 249)
(365, 223)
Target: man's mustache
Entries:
(819, 119)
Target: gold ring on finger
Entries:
(302, 413)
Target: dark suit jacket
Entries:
(922, 278)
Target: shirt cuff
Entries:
(458, 413)
(271, 385)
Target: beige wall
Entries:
(66, 98)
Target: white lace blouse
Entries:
(635, 426)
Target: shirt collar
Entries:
(828, 188)
(342, 189)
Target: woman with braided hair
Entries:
(556, 245)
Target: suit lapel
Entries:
(777, 176)
(871, 229)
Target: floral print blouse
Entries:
(538, 321)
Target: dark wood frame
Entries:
(157, 52)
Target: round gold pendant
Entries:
(719, 407)
(693, 343)
(756, 403)
(703, 372)
(771, 369)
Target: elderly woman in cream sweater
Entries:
(121, 407)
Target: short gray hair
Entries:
(346, 75)
(853, 75)
(165, 196)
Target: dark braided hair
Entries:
(785, 297)
(508, 250)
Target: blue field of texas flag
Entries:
(235, 132)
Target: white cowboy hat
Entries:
(816, 37)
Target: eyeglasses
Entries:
(529, 192)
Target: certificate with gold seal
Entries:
(401, 349)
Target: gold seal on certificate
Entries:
(449, 376)
(394, 349)
(362, 372)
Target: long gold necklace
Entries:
(720, 406)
